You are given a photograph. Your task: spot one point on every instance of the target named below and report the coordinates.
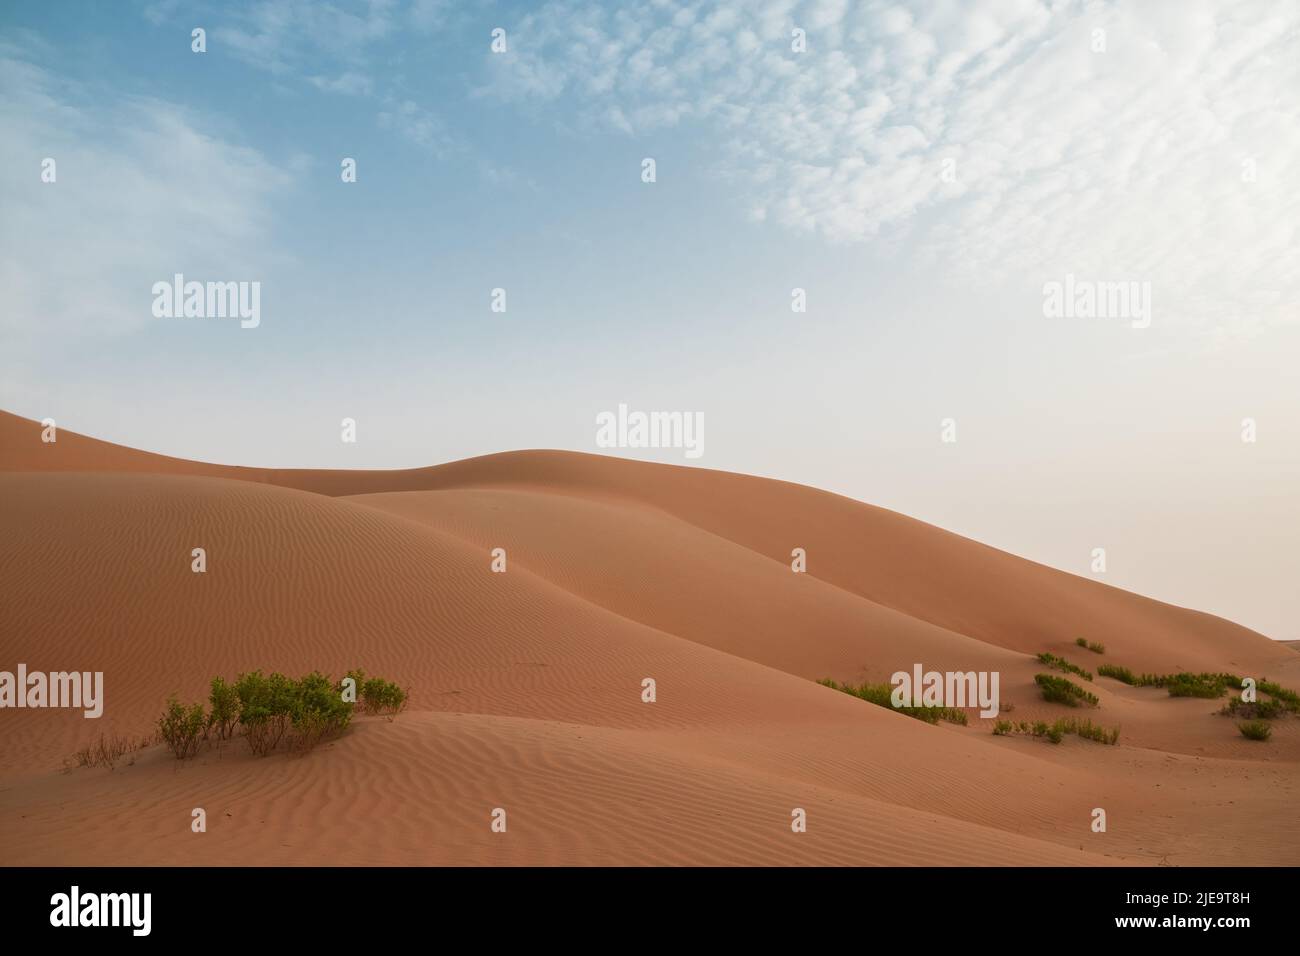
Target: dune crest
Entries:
(526, 685)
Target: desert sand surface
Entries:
(526, 685)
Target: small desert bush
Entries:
(1119, 673)
(1208, 686)
(1090, 731)
(1288, 698)
(1091, 645)
(271, 710)
(317, 711)
(181, 728)
(1056, 731)
(1061, 664)
(376, 695)
(107, 750)
(1258, 710)
(224, 704)
(265, 709)
(358, 678)
(1060, 690)
(383, 697)
(879, 694)
(310, 728)
(1255, 730)
(305, 712)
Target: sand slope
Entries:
(526, 685)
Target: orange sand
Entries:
(526, 686)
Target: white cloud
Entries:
(420, 126)
(348, 83)
(297, 37)
(282, 35)
(143, 190)
(1122, 164)
(428, 15)
(160, 11)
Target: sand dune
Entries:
(525, 686)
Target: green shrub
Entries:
(1061, 664)
(1090, 731)
(1207, 685)
(379, 696)
(270, 710)
(1060, 690)
(1091, 645)
(317, 711)
(358, 678)
(1056, 731)
(879, 694)
(374, 695)
(1198, 685)
(266, 709)
(224, 702)
(1288, 698)
(181, 728)
(310, 727)
(314, 693)
(1260, 709)
(1255, 730)
(1119, 673)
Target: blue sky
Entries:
(1167, 156)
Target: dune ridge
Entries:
(525, 686)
